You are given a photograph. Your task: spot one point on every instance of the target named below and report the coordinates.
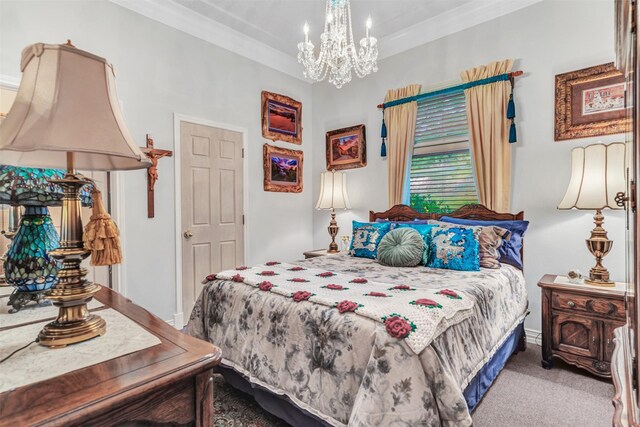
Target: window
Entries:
(441, 175)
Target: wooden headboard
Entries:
(479, 212)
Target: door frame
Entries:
(178, 317)
(116, 189)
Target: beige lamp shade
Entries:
(67, 102)
(597, 174)
(333, 191)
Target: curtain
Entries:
(401, 125)
(489, 134)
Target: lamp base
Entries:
(601, 283)
(19, 299)
(333, 232)
(599, 245)
(71, 294)
(58, 335)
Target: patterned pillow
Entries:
(425, 232)
(490, 239)
(402, 247)
(366, 237)
(510, 249)
(454, 248)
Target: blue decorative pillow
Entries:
(415, 221)
(510, 249)
(454, 248)
(425, 232)
(366, 236)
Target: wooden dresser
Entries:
(578, 323)
(169, 383)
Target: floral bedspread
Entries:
(417, 315)
(347, 369)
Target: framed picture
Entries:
(346, 148)
(590, 102)
(281, 118)
(282, 169)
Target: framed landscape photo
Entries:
(346, 148)
(590, 102)
(282, 169)
(281, 118)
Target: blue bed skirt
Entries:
(488, 373)
(285, 409)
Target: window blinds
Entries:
(441, 178)
(441, 120)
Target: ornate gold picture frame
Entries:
(346, 148)
(590, 102)
(282, 169)
(281, 118)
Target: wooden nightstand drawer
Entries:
(610, 308)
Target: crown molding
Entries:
(453, 21)
(183, 19)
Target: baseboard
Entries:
(178, 320)
(533, 336)
(170, 322)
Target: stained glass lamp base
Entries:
(18, 300)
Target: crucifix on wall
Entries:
(152, 173)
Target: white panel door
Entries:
(212, 205)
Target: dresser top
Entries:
(560, 283)
(71, 397)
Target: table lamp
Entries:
(66, 115)
(27, 265)
(333, 195)
(597, 175)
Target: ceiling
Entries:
(268, 31)
(279, 23)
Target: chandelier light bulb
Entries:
(306, 32)
(330, 18)
(369, 26)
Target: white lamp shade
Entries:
(333, 191)
(67, 103)
(597, 174)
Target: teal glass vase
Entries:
(28, 265)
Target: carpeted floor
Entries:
(526, 395)
(523, 395)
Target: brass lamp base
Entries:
(71, 294)
(58, 335)
(333, 232)
(599, 245)
(601, 283)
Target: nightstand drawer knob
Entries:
(571, 304)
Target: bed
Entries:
(311, 364)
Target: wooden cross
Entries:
(152, 173)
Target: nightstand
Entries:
(318, 252)
(578, 322)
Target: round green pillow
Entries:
(402, 247)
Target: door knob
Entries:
(188, 234)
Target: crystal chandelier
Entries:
(338, 54)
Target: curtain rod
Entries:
(498, 78)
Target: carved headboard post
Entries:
(473, 211)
